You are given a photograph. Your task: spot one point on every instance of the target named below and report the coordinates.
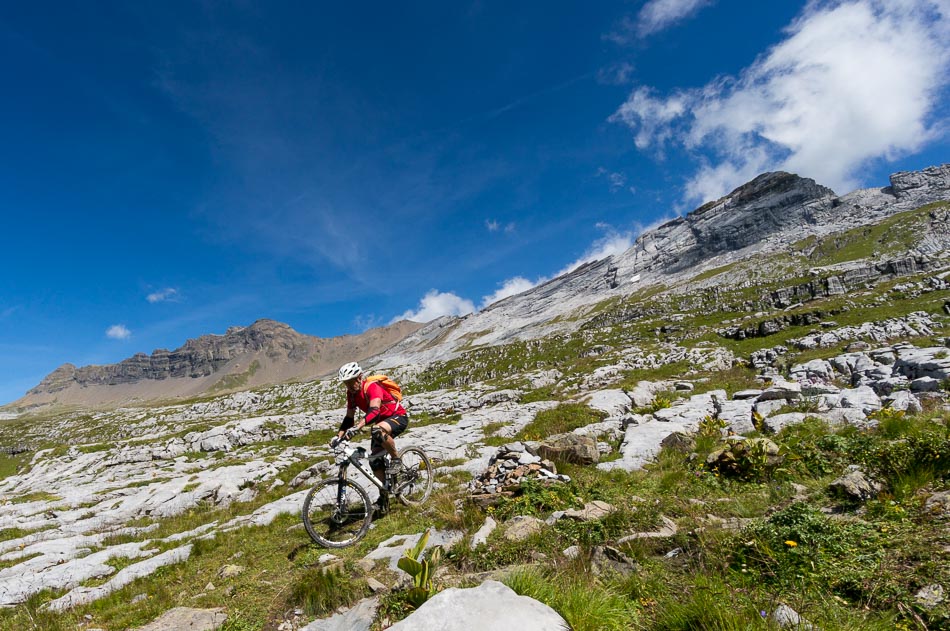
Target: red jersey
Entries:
(388, 406)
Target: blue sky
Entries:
(171, 169)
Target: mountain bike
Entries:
(337, 511)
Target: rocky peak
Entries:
(769, 204)
(924, 183)
(267, 342)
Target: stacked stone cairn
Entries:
(511, 464)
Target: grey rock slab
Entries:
(816, 369)
(925, 384)
(668, 529)
(358, 618)
(187, 618)
(737, 415)
(787, 618)
(591, 511)
(931, 362)
(612, 402)
(751, 393)
(901, 400)
(642, 442)
(481, 536)
(777, 422)
(769, 407)
(489, 607)
(84, 595)
(391, 549)
(863, 398)
(61, 570)
(521, 527)
(782, 390)
(844, 416)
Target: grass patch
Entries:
(559, 420)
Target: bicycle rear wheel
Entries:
(336, 513)
(414, 480)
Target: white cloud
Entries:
(169, 294)
(510, 287)
(853, 81)
(654, 16)
(436, 304)
(657, 15)
(611, 243)
(492, 225)
(510, 227)
(118, 332)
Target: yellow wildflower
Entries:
(791, 544)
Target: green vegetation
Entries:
(893, 236)
(236, 380)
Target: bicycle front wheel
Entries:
(336, 513)
(414, 480)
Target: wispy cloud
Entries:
(118, 332)
(852, 82)
(169, 294)
(654, 16)
(492, 225)
(615, 179)
(658, 15)
(436, 304)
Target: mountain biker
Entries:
(383, 413)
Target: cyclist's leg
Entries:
(378, 444)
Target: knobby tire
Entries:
(319, 511)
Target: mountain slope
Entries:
(266, 352)
(770, 214)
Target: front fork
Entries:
(341, 489)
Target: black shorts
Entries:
(397, 423)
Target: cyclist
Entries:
(383, 413)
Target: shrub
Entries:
(535, 498)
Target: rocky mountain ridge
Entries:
(265, 352)
(768, 214)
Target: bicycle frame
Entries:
(345, 457)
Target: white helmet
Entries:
(349, 371)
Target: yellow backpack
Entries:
(388, 385)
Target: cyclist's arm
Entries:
(374, 391)
(347, 421)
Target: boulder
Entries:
(855, 485)
(863, 398)
(930, 596)
(481, 536)
(357, 618)
(488, 607)
(776, 423)
(591, 511)
(522, 527)
(612, 402)
(187, 618)
(569, 448)
(782, 390)
(902, 400)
